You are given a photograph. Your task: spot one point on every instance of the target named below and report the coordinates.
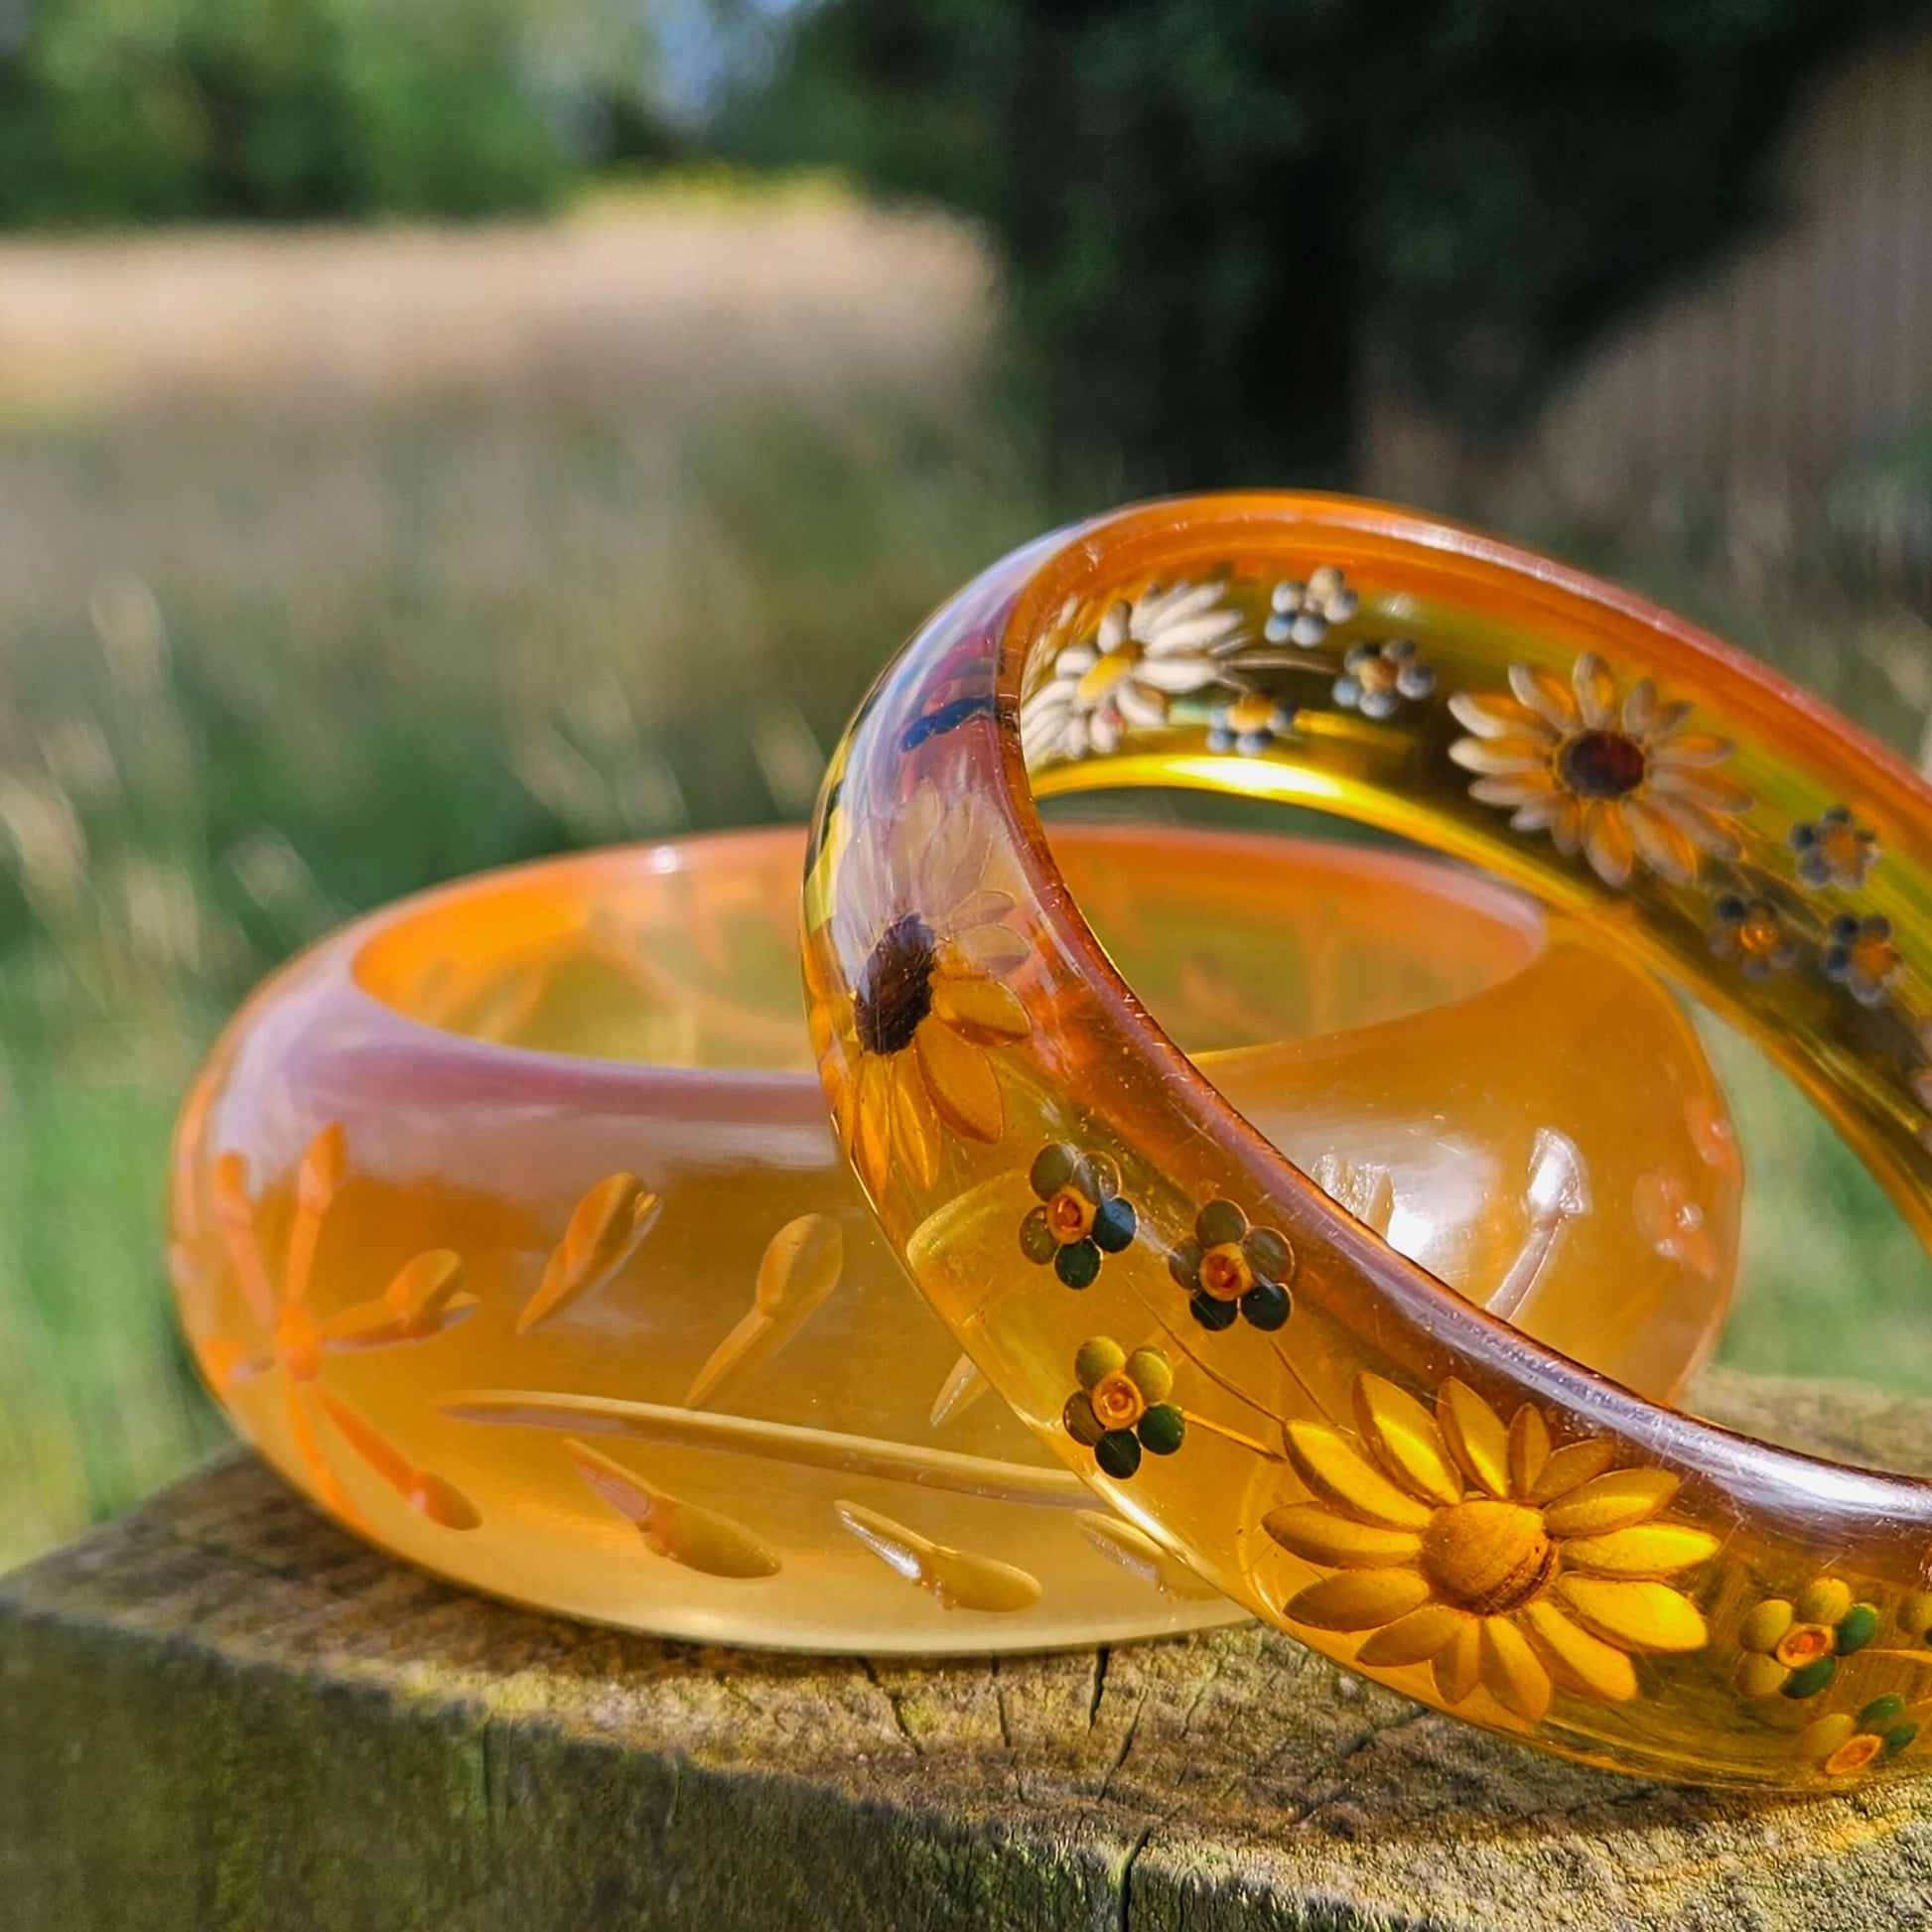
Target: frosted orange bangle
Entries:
(1389, 1473)
(620, 1339)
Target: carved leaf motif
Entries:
(960, 1579)
(427, 1493)
(801, 1266)
(425, 1298)
(604, 1231)
(1137, 1552)
(963, 1386)
(684, 1533)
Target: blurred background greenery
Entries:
(440, 432)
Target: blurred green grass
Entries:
(263, 674)
(266, 666)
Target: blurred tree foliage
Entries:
(141, 110)
(1216, 212)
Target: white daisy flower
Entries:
(1166, 642)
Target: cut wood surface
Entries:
(222, 1712)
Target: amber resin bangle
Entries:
(1388, 1472)
(508, 1223)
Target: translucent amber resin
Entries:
(510, 1224)
(1254, 1375)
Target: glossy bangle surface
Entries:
(509, 1225)
(1390, 1473)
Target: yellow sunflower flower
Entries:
(1487, 1552)
(1618, 779)
(919, 935)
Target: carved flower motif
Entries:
(1301, 613)
(1168, 641)
(910, 1046)
(1232, 1270)
(1377, 678)
(1792, 1645)
(1484, 1552)
(1860, 957)
(1620, 781)
(1840, 1744)
(1752, 932)
(424, 1299)
(1082, 1214)
(1248, 724)
(1121, 1407)
(1834, 849)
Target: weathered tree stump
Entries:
(222, 1712)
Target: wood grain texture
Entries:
(222, 1712)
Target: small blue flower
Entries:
(1249, 723)
(1375, 678)
(1751, 931)
(1860, 957)
(1834, 849)
(1300, 614)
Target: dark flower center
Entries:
(895, 992)
(1602, 764)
